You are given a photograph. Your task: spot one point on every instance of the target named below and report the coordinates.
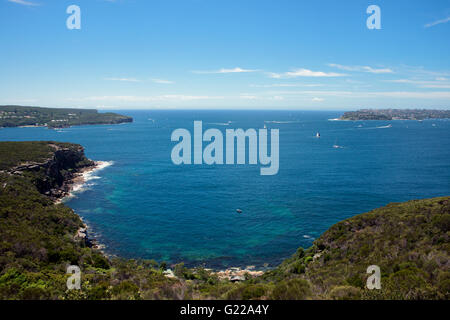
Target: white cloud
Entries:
(431, 24)
(304, 73)
(316, 99)
(360, 68)
(223, 70)
(161, 81)
(123, 79)
(25, 3)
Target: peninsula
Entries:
(395, 114)
(17, 116)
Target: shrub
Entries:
(294, 289)
(345, 293)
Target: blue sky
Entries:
(314, 55)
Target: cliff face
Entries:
(54, 175)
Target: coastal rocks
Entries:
(54, 176)
(81, 234)
(237, 278)
(238, 274)
(169, 274)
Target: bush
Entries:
(298, 267)
(345, 293)
(294, 289)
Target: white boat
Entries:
(317, 135)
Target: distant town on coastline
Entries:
(395, 114)
(16, 116)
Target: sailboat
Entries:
(317, 135)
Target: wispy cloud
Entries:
(25, 3)
(439, 83)
(421, 71)
(304, 73)
(431, 24)
(316, 99)
(369, 94)
(223, 70)
(123, 79)
(162, 81)
(360, 68)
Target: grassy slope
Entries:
(409, 241)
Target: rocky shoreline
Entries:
(75, 182)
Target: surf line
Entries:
(213, 153)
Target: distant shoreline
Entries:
(394, 114)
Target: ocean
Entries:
(144, 206)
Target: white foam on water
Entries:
(86, 177)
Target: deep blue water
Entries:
(143, 206)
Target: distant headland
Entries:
(395, 114)
(18, 116)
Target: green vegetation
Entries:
(409, 241)
(395, 114)
(15, 116)
(13, 154)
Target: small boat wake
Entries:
(280, 122)
(221, 123)
(385, 127)
(379, 127)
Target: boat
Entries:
(336, 146)
(238, 210)
(317, 135)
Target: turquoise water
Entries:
(143, 206)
